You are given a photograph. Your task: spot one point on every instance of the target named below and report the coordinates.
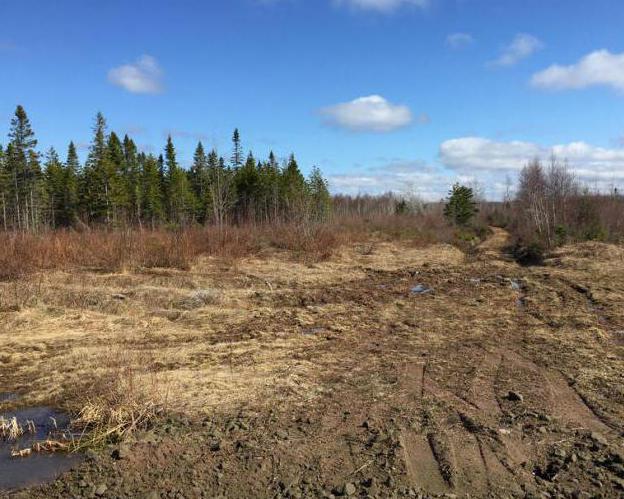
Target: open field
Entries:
(279, 378)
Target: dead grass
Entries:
(122, 396)
(23, 254)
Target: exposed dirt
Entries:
(335, 379)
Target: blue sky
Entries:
(381, 94)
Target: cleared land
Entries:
(286, 379)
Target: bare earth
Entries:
(285, 379)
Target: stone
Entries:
(349, 489)
(598, 438)
(515, 396)
(121, 452)
(101, 489)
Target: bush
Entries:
(530, 253)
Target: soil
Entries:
(502, 381)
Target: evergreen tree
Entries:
(320, 199)
(293, 190)
(152, 191)
(132, 174)
(117, 180)
(221, 188)
(199, 182)
(95, 186)
(22, 167)
(460, 207)
(69, 213)
(179, 194)
(237, 150)
(247, 183)
(4, 189)
(55, 187)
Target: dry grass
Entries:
(23, 254)
(10, 429)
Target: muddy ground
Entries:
(289, 379)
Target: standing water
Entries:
(37, 468)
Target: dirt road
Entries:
(337, 379)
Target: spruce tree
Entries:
(55, 185)
(69, 215)
(22, 165)
(199, 182)
(320, 199)
(293, 190)
(237, 150)
(95, 191)
(132, 174)
(247, 183)
(179, 195)
(117, 180)
(152, 191)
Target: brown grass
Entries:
(22, 254)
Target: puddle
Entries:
(312, 331)
(38, 468)
(421, 289)
(7, 397)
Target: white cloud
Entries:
(522, 46)
(459, 40)
(400, 176)
(487, 157)
(597, 68)
(382, 5)
(142, 77)
(368, 114)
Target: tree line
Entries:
(119, 186)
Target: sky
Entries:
(402, 95)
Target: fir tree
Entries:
(460, 207)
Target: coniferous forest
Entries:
(121, 186)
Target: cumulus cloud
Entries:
(382, 5)
(522, 46)
(488, 157)
(599, 68)
(142, 77)
(458, 41)
(368, 114)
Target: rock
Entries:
(100, 490)
(515, 396)
(215, 445)
(598, 438)
(349, 489)
(618, 482)
(121, 452)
